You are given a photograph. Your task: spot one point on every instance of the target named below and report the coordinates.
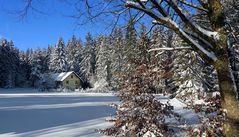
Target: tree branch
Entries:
(169, 49)
(208, 55)
(192, 5)
(208, 35)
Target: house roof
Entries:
(62, 76)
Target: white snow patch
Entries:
(60, 76)
(27, 113)
(149, 134)
(82, 129)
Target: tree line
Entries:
(103, 59)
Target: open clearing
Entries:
(26, 112)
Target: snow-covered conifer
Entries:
(37, 67)
(58, 60)
(87, 65)
(71, 52)
(117, 56)
(103, 60)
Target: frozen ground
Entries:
(28, 113)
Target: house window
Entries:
(71, 76)
(75, 82)
(67, 82)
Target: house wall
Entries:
(72, 82)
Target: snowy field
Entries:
(28, 113)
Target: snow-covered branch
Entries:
(190, 4)
(195, 45)
(195, 36)
(165, 19)
(209, 54)
(199, 30)
(168, 49)
(146, 10)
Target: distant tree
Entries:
(3, 69)
(78, 57)
(117, 56)
(71, 52)
(37, 67)
(103, 59)
(88, 60)
(143, 45)
(131, 50)
(23, 74)
(28, 61)
(46, 58)
(58, 61)
(10, 64)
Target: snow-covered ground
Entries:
(28, 113)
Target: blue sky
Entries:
(39, 30)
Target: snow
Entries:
(28, 113)
(60, 76)
(82, 129)
(208, 33)
(201, 48)
(189, 117)
(149, 134)
(210, 54)
(25, 112)
(167, 48)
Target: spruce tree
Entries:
(103, 60)
(58, 60)
(72, 53)
(87, 65)
(131, 51)
(46, 58)
(117, 56)
(37, 67)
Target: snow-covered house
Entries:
(68, 80)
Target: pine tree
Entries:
(189, 84)
(78, 57)
(131, 51)
(58, 60)
(9, 63)
(2, 65)
(37, 67)
(23, 74)
(144, 45)
(103, 61)
(71, 53)
(46, 58)
(88, 61)
(167, 62)
(117, 56)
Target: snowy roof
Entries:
(62, 76)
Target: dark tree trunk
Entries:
(229, 100)
(228, 91)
